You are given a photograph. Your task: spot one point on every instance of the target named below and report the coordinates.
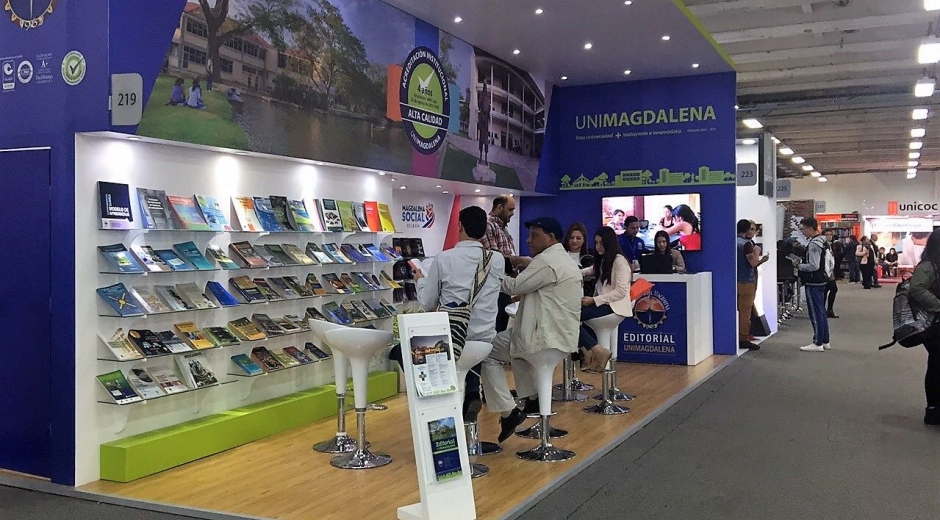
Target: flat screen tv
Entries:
(680, 216)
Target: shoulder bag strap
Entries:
(479, 278)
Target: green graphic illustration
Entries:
(644, 179)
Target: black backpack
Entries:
(819, 276)
(910, 323)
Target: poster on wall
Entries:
(342, 81)
(906, 236)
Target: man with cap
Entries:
(549, 292)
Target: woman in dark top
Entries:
(891, 258)
(662, 247)
(924, 292)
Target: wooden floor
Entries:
(282, 478)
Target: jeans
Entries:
(816, 304)
(586, 337)
(832, 288)
(932, 379)
(853, 270)
(746, 293)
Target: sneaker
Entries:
(508, 425)
(747, 345)
(932, 416)
(827, 346)
(812, 347)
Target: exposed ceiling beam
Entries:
(803, 29)
(725, 6)
(823, 51)
(744, 90)
(800, 72)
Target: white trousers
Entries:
(495, 384)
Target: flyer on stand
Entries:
(444, 449)
(433, 365)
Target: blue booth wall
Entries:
(650, 126)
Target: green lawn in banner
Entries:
(212, 126)
(459, 165)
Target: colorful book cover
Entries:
(195, 368)
(313, 314)
(299, 287)
(352, 252)
(146, 387)
(190, 252)
(118, 387)
(284, 359)
(267, 325)
(266, 215)
(222, 296)
(282, 211)
(218, 254)
(166, 377)
(364, 280)
(115, 204)
(150, 300)
(155, 209)
(266, 290)
(389, 307)
(245, 329)
(297, 254)
(192, 335)
(187, 214)
(365, 310)
(334, 251)
(299, 355)
(444, 448)
(377, 254)
(247, 255)
(247, 289)
(313, 211)
(316, 287)
(372, 215)
(121, 300)
(299, 322)
(267, 361)
(245, 214)
(316, 351)
(173, 342)
(315, 251)
(385, 216)
(359, 212)
(346, 214)
(121, 348)
(120, 259)
(337, 314)
(351, 284)
(334, 280)
(299, 216)
(149, 259)
(248, 366)
(221, 336)
(212, 213)
(194, 296)
(353, 312)
(391, 253)
(148, 342)
(269, 258)
(173, 260)
(279, 254)
(172, 298)
(287, 324)
(332, 221)
(281, 286)
(380, 311)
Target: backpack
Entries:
(910, 323)
(826, 264)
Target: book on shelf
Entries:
(365, 311)
(269, 259)
(150, 300)
(245, 329)
(218, 254)
(263, 357)
(299, 287)
(121, 348)
(244, 286)
(281, 209)
(149, 259)
(391, 253)
(368, 281)
(212, 213)
(249, 367)
(172, 298)
(114, 201)
(146, 387)
(334, 251)
(194, 296)
(155, 209)
(118, 387)
(377, 254)
(222, 296)
(279, 255)
(299, 217)
(189, 252)
(267, 325)
(287, 324)
(352, 253)
(221, 336)
(173, 342)
(299, 322)
(120, 258)
(187, 214)
(120, 300)
(385, 217)
(281, 287)
(246, 255)
(417, 247)
(336, 314)
(359, 213)
(329, 212)
(173, 260)
(347, 216)
(245, 214)
(316, 351)
(411, 292)
(298, 355)
(321, 256)
(401, 247)
(380, 310)
(266, 215)
(313, 211)
(350, 284)
(371, 209)
(265, 289)
(312, 313)
(298, 254)
(284, 359)
(165, 375)
(193, 336)
(338, 286)
(389, 307)
(317, 288)
(196, 370)
(148, 342)
(392, 284)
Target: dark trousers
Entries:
(815, 302)
(586, 336)
(868, 272)
(502, 319)
(854, 271)
(832, 288)
(932, 379)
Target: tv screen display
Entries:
(678, 215)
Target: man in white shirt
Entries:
(549, 313)
(448, 283)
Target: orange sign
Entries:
(892, 207)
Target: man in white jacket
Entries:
(548, 317)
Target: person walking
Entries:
(925, 293)
(815, 271)
(866, 261)
(832, 287)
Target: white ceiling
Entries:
(552, 44)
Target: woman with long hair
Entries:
(669, 218)
(576, 242)
(866, 261)
(925, 293)
(611, 296)
(688, 228)
(662, 247)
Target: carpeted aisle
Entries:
(781, 434)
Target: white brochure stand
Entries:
(450, 499)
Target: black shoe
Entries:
(508, 425)
(932, 416)
(832, 314)
(747, 345)
(877, 286)
(531, 406)
(471, 408)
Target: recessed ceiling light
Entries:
(912, 164)
(588, 46)
(913, 155)
(808, 168)
(737, 107)
(539, 11)
(516, 51)
(133, 138)
(911, 170)
(931, 5)
(393, 179)
(628, 2)
(402, 187)
(478, 190)
(919, 113)
(798, 160)
(695, 65)
(749, 141)
(752, 124)
(918, 132)
(241, 153)
(458, 19)
(775, 140)
(564, 78)
(912, 175)
(786, 151)
(381, 173)
(815, 174)
(627, 72)
(917, 145)
(929, 51)
(438, 186)
(666, 37)
(925, 87)
(445, 191)
(823, 179)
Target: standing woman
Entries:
(925, 289)
(611, 296)
(661, 241)
(865, 261)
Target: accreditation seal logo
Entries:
(425, 101)
(650, 310)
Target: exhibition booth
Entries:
(325, 188)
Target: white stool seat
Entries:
(474, 352)
(544, 362)
(606, 329)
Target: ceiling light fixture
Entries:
(931, 5)
(913, 155)
(911, 170)
(917, 145)
(798, 160)
(458, 19)
(588, 46)
(382, 173)
(133, 138)
(808, 168)
(402, 187)
(912, 164)
(737, 107)
(929, 51)
(748, 141)
(438, 186)
(919, 114)
(753, 124)
(815, 174)
(564, 78)
(775, 140)
(918, 132)
(627, 72)
(912, 175)
(445, 191)
(925, 87)
(628, 2)
(516, 51)
(478, 190)
(786, 151)
(666, 37)
(823, 179)
(539, 11)
(695, 65)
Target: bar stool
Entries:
(341, 443)
(606, 329)
(567, 390)
(544, 362)
(359, 345)
(473, 353)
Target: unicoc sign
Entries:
(895, 207)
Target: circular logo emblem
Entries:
(73, 68)
(425, 101)
(8, 68)
(29, 14)
(650, 310)
(25, 71)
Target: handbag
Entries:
(459, 315)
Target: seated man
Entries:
(548, 317)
